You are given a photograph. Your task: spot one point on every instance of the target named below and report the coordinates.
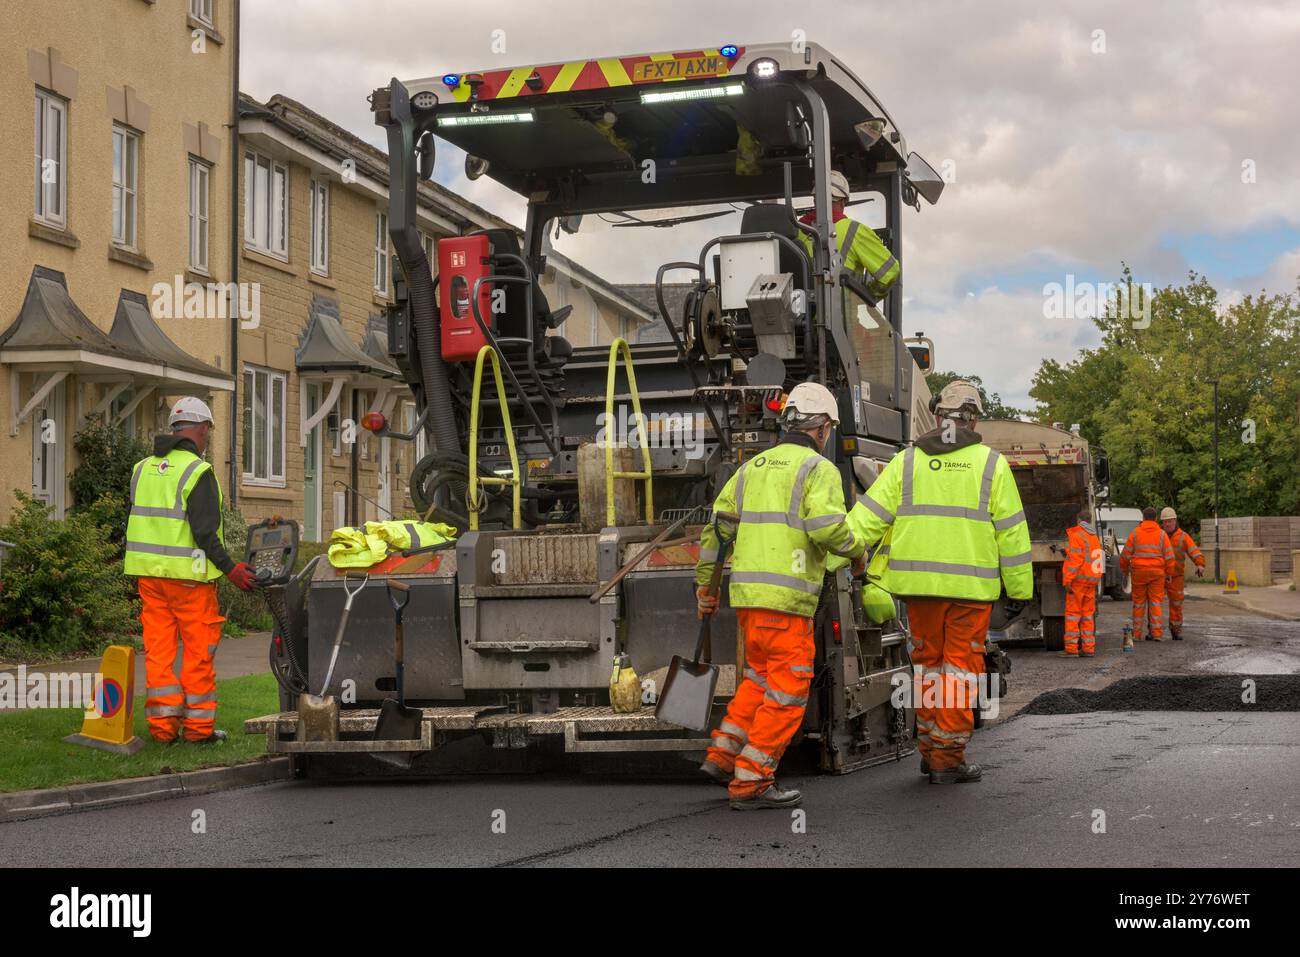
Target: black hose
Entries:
(441, 421)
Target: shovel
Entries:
(687, 698)
(318, 715)
(397, 722)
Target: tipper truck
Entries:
(717, 155)
(1057, 474)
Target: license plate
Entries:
(679, 68)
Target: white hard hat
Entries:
(839, 185)
(812, 398)
(959, 395)
(189, 410)
(1167, 513)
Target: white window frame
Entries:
(263, 437)
(320, 227)
(203, 11)
(264, 213)
(126, 186)
(381, 252)
(429, 243)
(200, 180)
(51, 142)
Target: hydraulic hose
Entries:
(441, 420)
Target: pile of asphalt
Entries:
(1176, 693)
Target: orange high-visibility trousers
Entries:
(1148, 602)
(769, 704)
(1174, 594)
(948, 638)
(182, 629)
(1081, 617)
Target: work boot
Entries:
(1067, 654)
(961, 774)
(773, 796)
(216, 737)
(716, 774)
(925, 766)
(1086, 654)
(1177, 633)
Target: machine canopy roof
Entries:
(589, 122)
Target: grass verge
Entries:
(33, 754)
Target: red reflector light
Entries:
(835, 632)
(774, 405)
(373, 421)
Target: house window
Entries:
(266, 204)
(51, 154)
(335, 430)
(126, 156)
(381, 253)
(430, 246)
(264, 426)
(200, 173)
(201, 10)
(320, 226)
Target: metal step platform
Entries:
(584, 729)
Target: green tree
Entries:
(1145, 395)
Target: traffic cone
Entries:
(109, 724)
(1232, 583)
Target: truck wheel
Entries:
(1054, 634)
(1119, 593)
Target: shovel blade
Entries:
(318, 717)
(687, 698)
(397, 723)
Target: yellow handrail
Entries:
(610, 474)
(474, 478)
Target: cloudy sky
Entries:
(1082, 135)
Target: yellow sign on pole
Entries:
(1232, 583)
(109, 723)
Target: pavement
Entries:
(1279, 601)
(235, 657)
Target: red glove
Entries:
(241, 576)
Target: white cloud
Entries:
(1062, 155)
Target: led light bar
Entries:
(485, 119)
(695, 93)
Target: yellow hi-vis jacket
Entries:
(957, 525)
(361, 548)
(863, 253)
(159, 540)
(791, 506)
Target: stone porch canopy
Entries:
(53, 339)
(326, 354)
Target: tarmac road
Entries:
(1131, 788)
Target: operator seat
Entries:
(777, 218)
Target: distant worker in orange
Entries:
(1184, 548)
(1083, 568)
(1149, 558)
